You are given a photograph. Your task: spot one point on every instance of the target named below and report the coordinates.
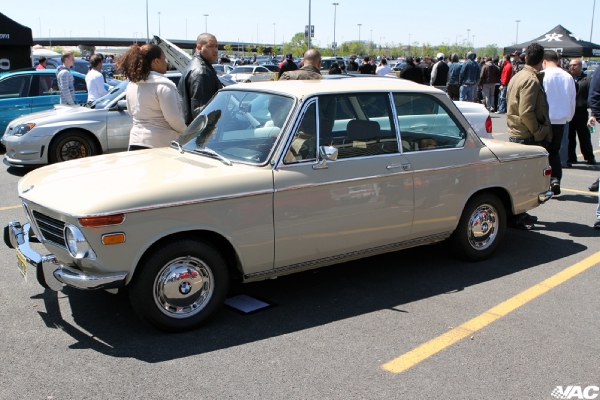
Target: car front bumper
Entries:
(51, 273)
(26, 150)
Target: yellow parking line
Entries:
(9, 208)
(579, 191)
(438, 344)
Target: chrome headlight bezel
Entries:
(77, 245)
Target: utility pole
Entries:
(334, 16)
(206, 23)
(592, 29)
(309, 24)
(147, 25)
(159, 23)
(517, 38)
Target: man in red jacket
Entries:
(507, 72)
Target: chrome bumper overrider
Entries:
(55, 274)
(545, 196)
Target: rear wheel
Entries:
(480, 229)
(180, 285)
(71, 145)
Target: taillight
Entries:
(548, 171)
(488, 124)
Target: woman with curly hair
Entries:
(152, 99)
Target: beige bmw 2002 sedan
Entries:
(274, 178)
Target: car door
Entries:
(118, 126)
(81, 92)
(14, 99)
(360, 204)
(447, 162)
(44, 92)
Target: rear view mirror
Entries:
(245, 107)
(122, 105)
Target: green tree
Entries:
(260, 49)
(249, 49)
(491, 50)
(298, 41)
(274, 50)
(229, 49)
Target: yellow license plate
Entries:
(22, 264)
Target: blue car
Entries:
(26, 92)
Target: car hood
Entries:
(138, 180)
(508, 151)
(58, 114)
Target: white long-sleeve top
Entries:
(95, 85)
(560, 92)
(155, 106)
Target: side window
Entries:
(358, 125)
(45, 85)
(16, 86)
(304, 142)
(80, 86)
(425, 124)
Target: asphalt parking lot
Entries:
(411, 324)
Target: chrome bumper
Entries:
(50, 272)
(545, 196)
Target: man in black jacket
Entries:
(199, 81)
(411, 72)
(287, 65)
(578, 126)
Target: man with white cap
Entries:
(439, 73)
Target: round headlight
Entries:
(76, 244)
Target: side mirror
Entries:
(328, 153)
(122, 105)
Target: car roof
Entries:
(37, 72)
(303, 88)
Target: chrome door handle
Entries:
(393, 167)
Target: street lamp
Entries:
(380, 37)
(371, 35)
(159, 23)
(592, 28)
(273, 37)
(334, 16)
(206, 23)
(409, 44)
(147, 25)
(457, 36)
(468, 30)
(359, 25)
(517, 38)
(473, 43)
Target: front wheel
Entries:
(180, 285)
(71, 145)
(480, 229)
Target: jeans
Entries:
(502, 102)
(488, 94)
(553, 149)
(466, 93)
(564, 145)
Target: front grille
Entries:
(50, 228)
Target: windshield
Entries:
(241, 126)
(115, 92)
(242, 70)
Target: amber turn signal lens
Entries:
(102, 221)
(113, 238)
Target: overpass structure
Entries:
(90, 43)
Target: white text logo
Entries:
(552, 36)
(575, 392)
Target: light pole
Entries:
(371, 35)
(147, 25)
(206, 23)
(457, 36)
(474, 43)
(309, 24)
(517, 38)
(359, 25)
(273, 38)
(468, 30)
(380, 37)
(592, 28)
(334, 17)
(409, 44)
(159, 23)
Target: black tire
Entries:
(180, 285)
(480, 229)
(71, 145)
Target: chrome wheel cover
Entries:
(72, 150)
(183, 287)
(483, 227)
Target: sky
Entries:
(429, 21)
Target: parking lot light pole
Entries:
(517, 38)
(334, 17)
(159, 23)
(358, 47)
(205, 23)
(274, 26)
(593, 11)
(380, 37)
(147, 25)
(309, 24)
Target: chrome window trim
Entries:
(287, 166)
(396, 123)
(517, 158)
(311, 185)
(359, 253)
(163, 205)
(491, 161)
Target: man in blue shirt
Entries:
(469, 76)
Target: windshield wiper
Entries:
(210, 152)
(174, 142)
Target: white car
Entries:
(251, 73)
